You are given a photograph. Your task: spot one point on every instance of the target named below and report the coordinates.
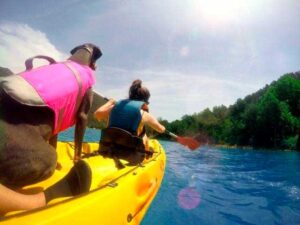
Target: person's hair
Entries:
(138, 92)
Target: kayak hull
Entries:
(117, 196)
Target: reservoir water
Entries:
(223, 186)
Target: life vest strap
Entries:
(78, 98)
(77, 76)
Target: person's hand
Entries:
(112, 101)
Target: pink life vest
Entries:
(62, 87)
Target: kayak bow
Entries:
(117, 196)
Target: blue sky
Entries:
(191, 54)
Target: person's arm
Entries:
(12, 201)
(102, 113)
(153, 122)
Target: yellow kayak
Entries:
(117, 196)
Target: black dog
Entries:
(27, 143)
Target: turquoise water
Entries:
(221, 186)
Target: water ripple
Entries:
(236, 186)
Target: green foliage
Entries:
(290, 142)
(288, 90)
(274, 121)
(269, 118)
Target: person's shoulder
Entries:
(147, 116)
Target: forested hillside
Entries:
(269, 118)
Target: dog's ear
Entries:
(96, 52)
(74, 50)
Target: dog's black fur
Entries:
(27, 146)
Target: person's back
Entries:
(131, 114)
(126, 114)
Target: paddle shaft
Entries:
(171, 134)
(102, 96)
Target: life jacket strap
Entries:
(78, 98)
(79, 82)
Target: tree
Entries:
(274, 121)
(287, 89)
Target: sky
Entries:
(191, 54)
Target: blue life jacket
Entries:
(126, 114)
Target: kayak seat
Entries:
(121, 138)
(121, 144)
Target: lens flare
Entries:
(188, 198)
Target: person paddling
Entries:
(131, 114)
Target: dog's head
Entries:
(92, 49)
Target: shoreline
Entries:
(237, 147)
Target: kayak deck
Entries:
(116, 196)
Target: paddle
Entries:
(189, 142)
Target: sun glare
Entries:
(217, 11)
